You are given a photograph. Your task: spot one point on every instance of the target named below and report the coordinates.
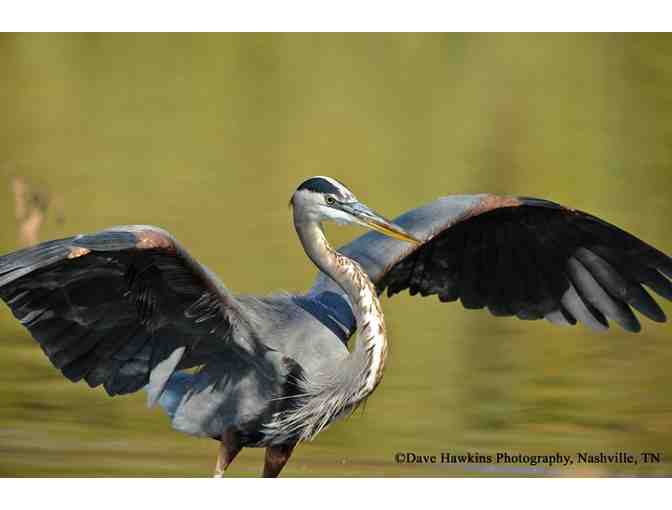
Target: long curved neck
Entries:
(371, 349)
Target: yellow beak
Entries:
(375, 221)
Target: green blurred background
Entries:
(208, 136)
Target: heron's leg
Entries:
(229, 447)
(276, 458)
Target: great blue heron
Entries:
(129, 308)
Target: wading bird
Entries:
(129, 308)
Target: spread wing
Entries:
(123, 308)
(520, 256)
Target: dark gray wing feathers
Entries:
(122, 308)
(521, 256)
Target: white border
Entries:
(344, 15)
(324, 494)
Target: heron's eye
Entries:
(331, 200)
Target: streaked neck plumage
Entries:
(338, 386)
(371, 339)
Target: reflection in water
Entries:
(208, 135)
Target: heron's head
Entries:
(323, 198)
